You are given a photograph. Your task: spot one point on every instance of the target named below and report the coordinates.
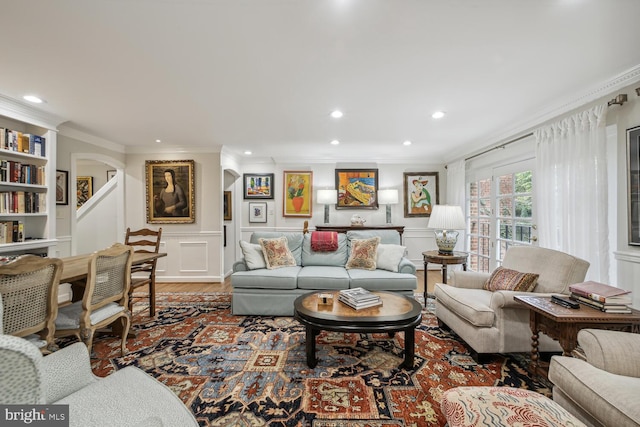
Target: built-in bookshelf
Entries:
(27, 172)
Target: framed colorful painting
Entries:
(357, 188)
(421, 192)
(170, 191)
(298, 193)
(258, 185)
(84, 189)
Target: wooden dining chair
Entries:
(146, 241)
(105, 298)
(29, 298)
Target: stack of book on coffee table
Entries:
(359, 298)
(602, 297)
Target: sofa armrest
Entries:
(240, 266)
(406, 266)
(611, 351)
(504, 299)
(67, 371)
(468, 279)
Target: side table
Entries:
(435, 257)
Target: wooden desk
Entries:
(345, 228)
(563, 324)
(436, 257)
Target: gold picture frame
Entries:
(84, 189)
(298, 194)
(176, 206)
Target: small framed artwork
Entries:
(62, 187)
(84, 189)
(226, 203)
(258, 212)
(421, 192)
(170, 191)
(258, 186)
(357, 188)
(298, 193)
(110, 174)
(633, 174)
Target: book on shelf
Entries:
(600, 292)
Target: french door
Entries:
(500, 214)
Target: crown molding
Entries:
(17, 110)
(71, 132)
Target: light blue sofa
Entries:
(272, 292)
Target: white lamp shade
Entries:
(447, 217)
(388, 197)
(327, 197)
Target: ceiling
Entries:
(264, 75)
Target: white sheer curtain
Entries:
(571, 189)
(456, 192)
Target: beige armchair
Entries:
(491, 321)
(602, 390)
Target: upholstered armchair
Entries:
(129, 397)
(491, 321)
(603, 388)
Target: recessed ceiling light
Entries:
(33, 98)
(438, 115)
(407, 142)
(336, 114)
(248, 153)
(158, 141)
(335, 142)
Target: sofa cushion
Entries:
(389, 256)
(323, 277)
(280, 278)
(382, 280)
(337, 258)
(253, 256)
(276, 253)
(363, 253)
(506, 279)
(294, 241)
(470, 304)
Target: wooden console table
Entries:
(345, 228)
(563, 324)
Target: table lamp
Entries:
(388, 197)
(327, 197)
(445, 220)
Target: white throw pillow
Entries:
(253, 256)
(389, 256)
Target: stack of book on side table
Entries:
(602, 297)
(359, 298)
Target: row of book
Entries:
(600, 296)
(22, 202)
(22, 173)
(11, 231)
(359, 298)
(13, 140)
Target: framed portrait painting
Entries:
(258, 212)
(62, 187)
(226, 206)
(357, 188)
(170, 191)
(298, 193)
(258, 185)
(84, 189)
(421, 192)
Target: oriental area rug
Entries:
(247, 371)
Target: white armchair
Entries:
(129, 397)
(491, 321)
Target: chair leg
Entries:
(126, 324)
(152, 297)
(87, 338)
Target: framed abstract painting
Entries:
(357, 188)
(421, 192)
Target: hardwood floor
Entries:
(433, 276)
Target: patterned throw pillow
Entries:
(276, 253)
(504, 279)
(363, 254)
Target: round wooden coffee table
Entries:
(397, 313)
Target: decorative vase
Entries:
(357, 220)
(297, 203)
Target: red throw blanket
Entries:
(324, 241)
